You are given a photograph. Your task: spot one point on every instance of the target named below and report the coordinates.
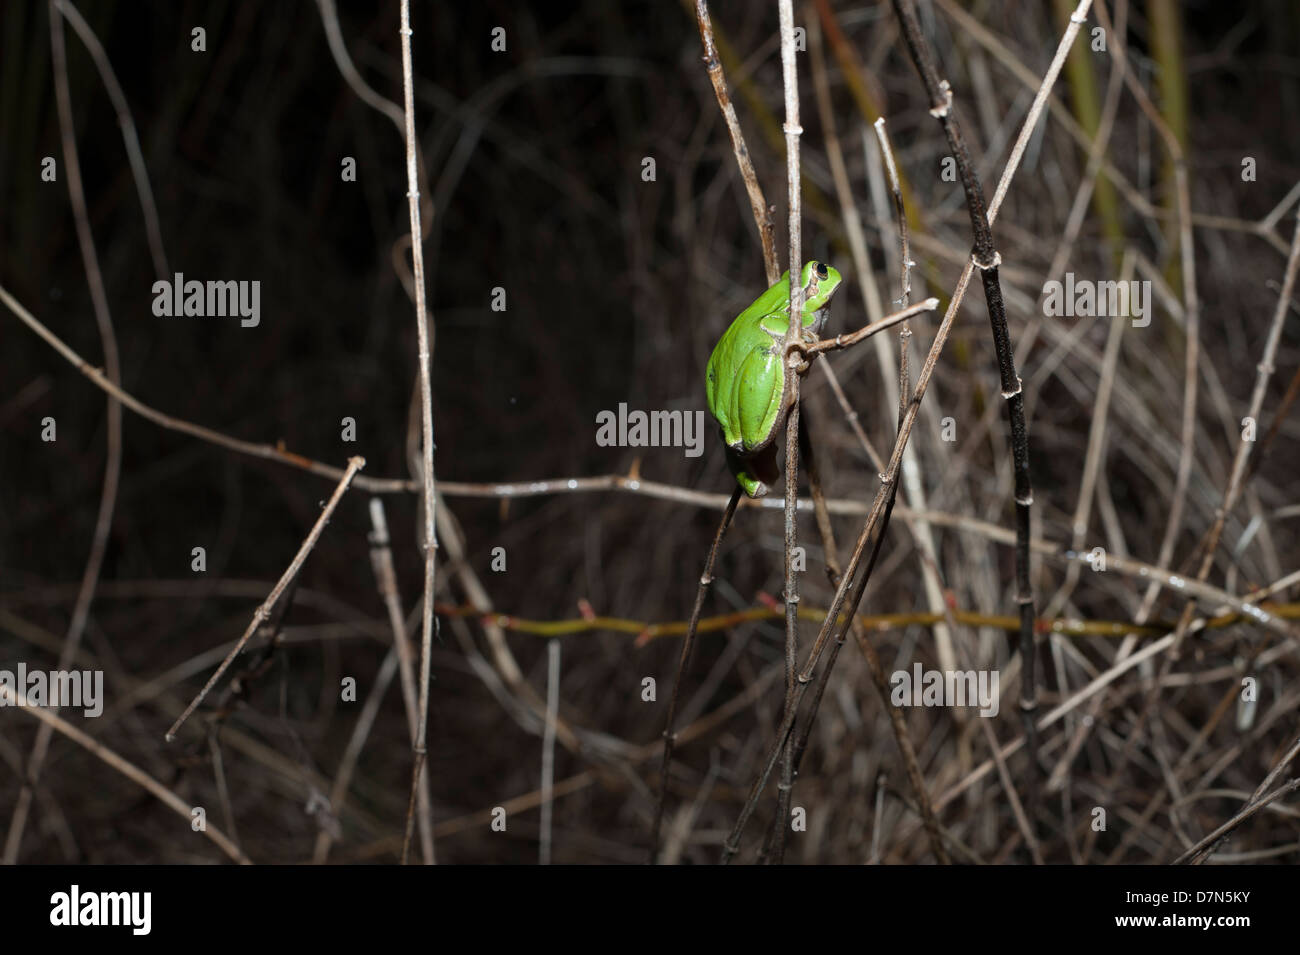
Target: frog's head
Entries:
(820, 282)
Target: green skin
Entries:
(748, 387)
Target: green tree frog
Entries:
(748, 388)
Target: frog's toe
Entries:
(752, 485)
(800, 348)
(756, 473)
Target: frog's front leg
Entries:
(799, 348)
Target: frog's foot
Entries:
(756, 473)
(752, 485)
(800, 347)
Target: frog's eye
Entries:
(821, 270)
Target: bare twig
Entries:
(352, 752)
(688, 644)
(113, 455)
(1200, 852)
(912, 487)
(889, 476)
(986, 258)
(130, 138)
(852, 338)
(264, 451)
(264, 611)
(790, 81)
(1265, 372)
(1254, 806)
(127, 769)
(548, 749)
(834, 570)
(898, 725)
(757, 204)
(430, 542)
(401, 657)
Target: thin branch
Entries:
(1250, 809)
(430, 542)
(548, 749)
(264, 451)
(897, 724)
(352, 752)
(793, 334)
(127, 769)
(130, 138)
(647, 632)
(987, 259)
(113, 454)
(1202, 851)
(834, 571)
(1265, 372)
(852, 338)
(912, 487)
(264, 611)
(757, 204)
(900, 213)
(688, 645)
(381, 559)
(889, 476)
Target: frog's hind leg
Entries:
(760, 384)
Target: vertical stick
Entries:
(790, 78)
(548, 748)
(688, 644)
(986, 259)
(430, 542)
(887, 478)
(381, 561)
